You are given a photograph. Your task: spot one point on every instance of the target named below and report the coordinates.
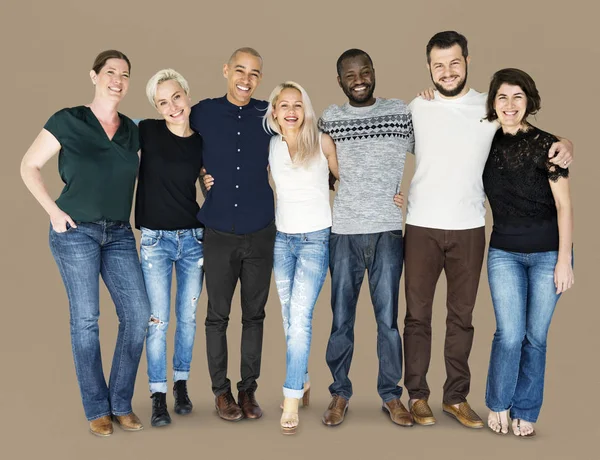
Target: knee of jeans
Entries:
(510, 337)
(537, 338)
(85, 322)
(157, 324)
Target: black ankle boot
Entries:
(160, 415)
(183, 405)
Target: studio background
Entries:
(47, 52)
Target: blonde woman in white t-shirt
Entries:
(300, 158)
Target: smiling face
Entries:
(448, 70)
(289, 110)
(510, 105)
(357, 80)
(112, 81)
(172, 102)
(243, 73)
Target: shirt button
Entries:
(239, 116)
(237, 186)
(238, 133)
(239, 150)
(240, 108)
(237, 167)
(235, 205)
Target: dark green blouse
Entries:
(99, 173)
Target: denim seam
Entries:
(126, 330)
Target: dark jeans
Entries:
(459, 253)
(83, 254)
(349, 256)
(227, 258)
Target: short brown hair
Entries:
(104, 56)
(515, 77)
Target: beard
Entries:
(452, 92)
(368, 94)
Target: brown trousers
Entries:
(460, 254)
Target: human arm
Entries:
(563, 271)
(329, 150)
(44, 147)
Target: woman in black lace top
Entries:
(530, 254)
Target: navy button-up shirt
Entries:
(236, 154)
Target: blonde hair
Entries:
(160, 77)
(308, 137)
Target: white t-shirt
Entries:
(452, 143)
(302, 190)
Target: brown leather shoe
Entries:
(101, 426)
(336, 411)
(398, 413)
(227, 408)
(129, 422)
(248, 404)
(421, 412)
(464, 414)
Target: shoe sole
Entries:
(159, 424)
(386, 411)
(183, 411)
(421, 422)
(100, 435)
(336, 424)
(230, 419)
(450, 414)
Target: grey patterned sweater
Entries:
(371, 145)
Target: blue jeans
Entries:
(524, 297)
(83, 254)
(300, 263)
(381, 254)
(159, 250)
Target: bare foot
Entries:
(522, 427)
(289, 418)
(498, 421)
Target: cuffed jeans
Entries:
(160, 250)
(82, 254)
(227, 258)
(381, 255)
(524, 297)
(300, 262)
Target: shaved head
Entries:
(247, 50)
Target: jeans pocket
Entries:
(68, 230)
(198, 235)
(150, 238)
(396, 233)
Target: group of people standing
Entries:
(466, 144)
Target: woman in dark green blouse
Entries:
(90, 235)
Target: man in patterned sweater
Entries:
(372, 136)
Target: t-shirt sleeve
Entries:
(56, 125)
(321, 125)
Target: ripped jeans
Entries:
(160, 250)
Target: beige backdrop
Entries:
(47, 51)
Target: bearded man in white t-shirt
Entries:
(445, 224)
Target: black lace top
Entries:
(515, 180)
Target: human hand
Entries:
(59, 220)
(399, 199)
(208, 181)
(563, 276)
(561, 153)
(428, 94)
